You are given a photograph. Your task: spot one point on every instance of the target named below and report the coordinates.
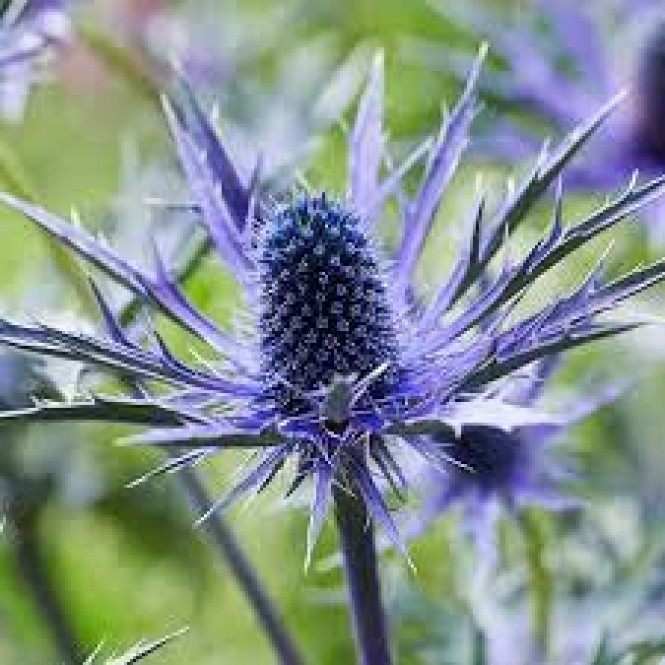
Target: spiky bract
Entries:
(367, 368)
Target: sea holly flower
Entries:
(341, 366)
(563, 59)
(343, 362)
(30, 30)
(499, 471)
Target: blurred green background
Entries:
(128, 563)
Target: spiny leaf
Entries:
(138, 652)
(514, 210)
(97, 408)
(161, 291)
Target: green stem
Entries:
(540, 579)
(124, 62)
(478, 646)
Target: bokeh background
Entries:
(128, 563)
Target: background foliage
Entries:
(128, 563)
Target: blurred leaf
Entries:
(602, 655)
(643, 652)
(122, 62)
(16, 180)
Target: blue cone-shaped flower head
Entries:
(324, 309)
(492, 462)
(493, 470)
(348, 364)
(563, 59)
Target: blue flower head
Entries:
(496, 469)
(324, 309)
(563, 60)
(348, 361)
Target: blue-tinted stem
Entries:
(356, 536)
(245, 574)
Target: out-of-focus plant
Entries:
(33, 477)
(501, 471)
(279, 78)
(25, 494)
(30, 32)
(605, 569)
(556, 62)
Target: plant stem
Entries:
(31, 563)
(356, 536)
(541, 580)
(244, 572)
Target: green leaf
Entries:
(541, 583)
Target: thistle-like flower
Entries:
(29, 32)
(560, 74)
(498, 470)
(346, 361)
